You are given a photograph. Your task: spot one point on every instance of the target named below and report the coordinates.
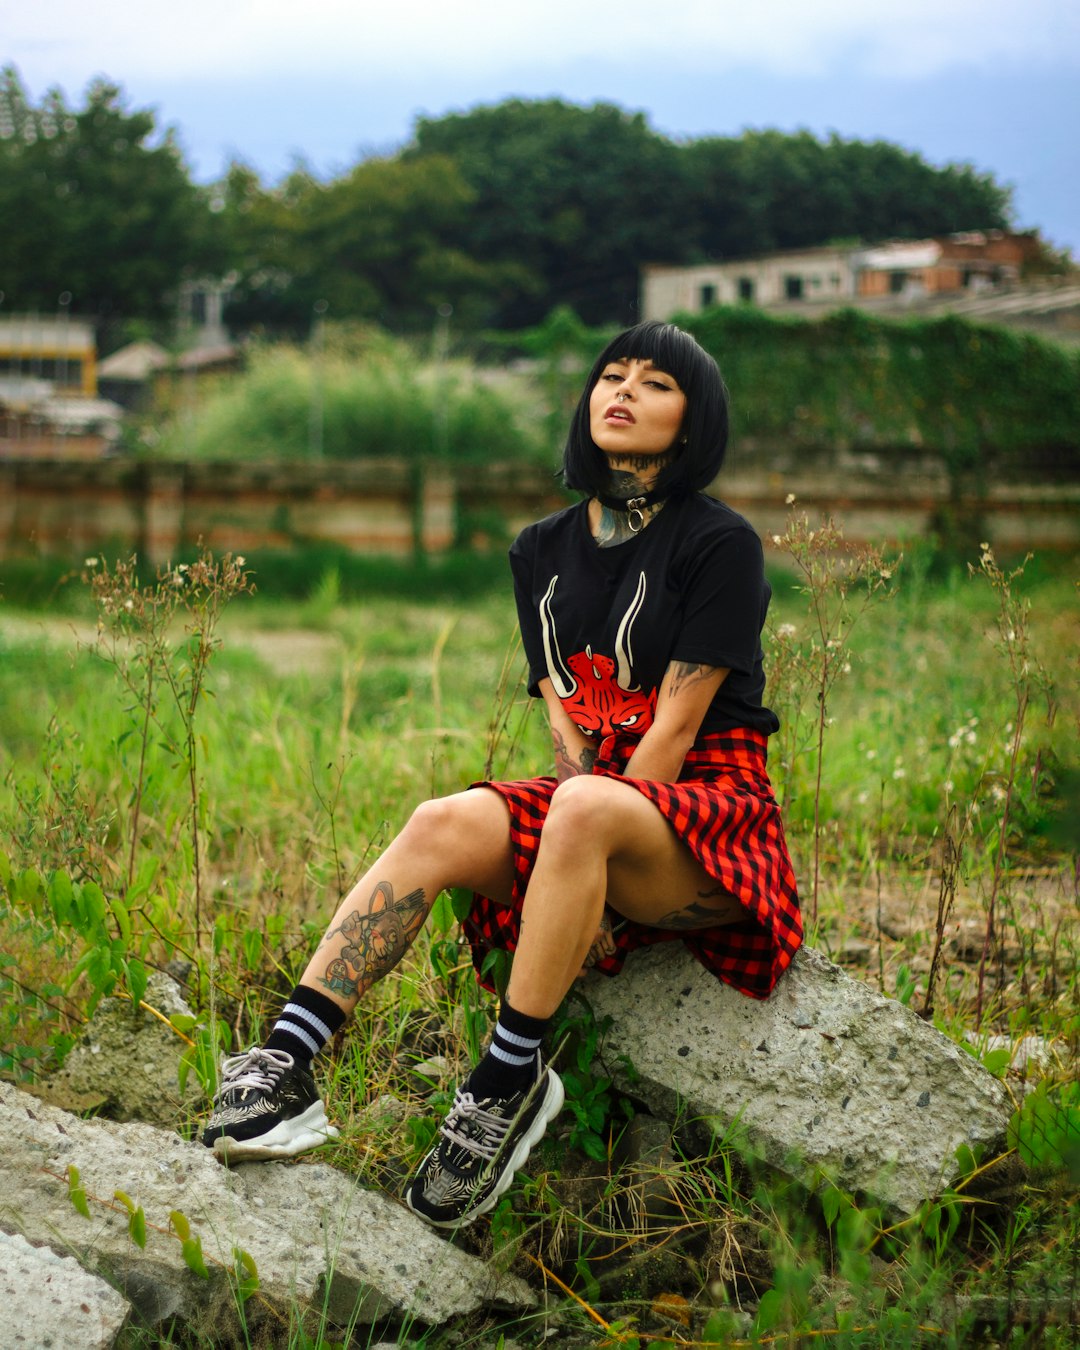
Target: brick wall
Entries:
(70, 509)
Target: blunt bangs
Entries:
(670, 349)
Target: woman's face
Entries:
(635, 409)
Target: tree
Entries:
(578, 197)
(374, 244)
(93, 206)
(768, 190)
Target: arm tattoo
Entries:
(686, 673)
(370, 945)
(565, 765)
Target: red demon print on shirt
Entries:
(598, 692)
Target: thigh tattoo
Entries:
(696, 915)
(373, 943)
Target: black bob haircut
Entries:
(670, 349)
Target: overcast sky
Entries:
(995, 83)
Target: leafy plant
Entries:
(590, 1097)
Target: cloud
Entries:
(68, 41)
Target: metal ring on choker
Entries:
(634, 507)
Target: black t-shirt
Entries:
(604, 623)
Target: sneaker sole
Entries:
(288, 1138)
(552, 1105)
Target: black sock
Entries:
(306, 1023)
(509, 1065)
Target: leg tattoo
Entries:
(373, 943)
(696, 915)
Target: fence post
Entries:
(163, 513)
(437, 492)
(8, 490)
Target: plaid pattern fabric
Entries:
(723, 808)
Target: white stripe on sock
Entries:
(295, 1011)
(294, 1029)
(518, 1060)
(525, 1042)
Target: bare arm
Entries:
(574, 752)
(687, 690)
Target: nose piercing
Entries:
(621, 398)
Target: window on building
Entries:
(793, 288)
(707, 296)
(746, 288)
(897, 282)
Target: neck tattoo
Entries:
(614, 525)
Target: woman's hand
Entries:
(603, 945)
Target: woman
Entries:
(641, 611)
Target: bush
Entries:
(295, 404)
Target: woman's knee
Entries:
(581, 808)
(439, 822)
(467, 833)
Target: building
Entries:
(49, 404)
(59, 350)
(842, 274)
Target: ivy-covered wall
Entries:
(987, 400)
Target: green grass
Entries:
(327, 718)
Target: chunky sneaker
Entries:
(483, 1144)
(266, 1107)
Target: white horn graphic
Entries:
(624, 653)
(562, 680)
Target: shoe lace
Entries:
(254, 1068)
(472, 1128)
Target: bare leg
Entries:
(603, 843)
(463, 840)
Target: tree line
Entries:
(502, 212)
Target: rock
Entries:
(641, 1221)
(824, 1076)
(315, 1236)
(383, 1113)
(126, 1065)
(50, 1301)
(1030, 1057)
(434, 1071)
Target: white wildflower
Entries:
(90, 562)
(899, 773)
(789, 500)
(786, 630)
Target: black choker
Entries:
(634, 507)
